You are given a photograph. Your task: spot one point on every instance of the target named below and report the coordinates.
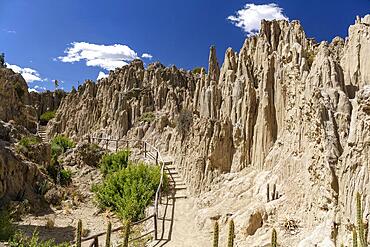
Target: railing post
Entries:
(155, 225)
(156, 159)
(145, 149)
(96, 242)
(126, 144)
(116, 145)
(106, 144)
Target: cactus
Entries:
(215, 234)
(78, 233)
(268, 192)
(366, 228)
(231, 234)
(109, 232)
(360, 223)
(126, 233)
(354, 237)
(274, 192)
(273, 238)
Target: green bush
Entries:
(46, 117)
(114, 162)
(54, 169)
(20, 240)
(147, 117)
(197, 70)
(60, 144)
(29, 141)
(129, 191)
(65, 176)
(6, 227)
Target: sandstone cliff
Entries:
(22, 174)
(46, 101)
(15, 100)
(283, 104)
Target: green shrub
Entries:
(129, 191)
(147, 117)
(46, 117)
(26, 143)
(54, 169)
(29, 141)
(60, 144)
(20, 240)
(65, 176)
(114, 162)
(6, 227)
(197, 70)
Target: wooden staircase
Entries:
(42, 133)
(176, 183)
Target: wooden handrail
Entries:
(115, 229)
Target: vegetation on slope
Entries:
(26, 143)
(59, 145)
(6, 227)
(127, 188)
(111, 163)
(46, 117)
(20, 240)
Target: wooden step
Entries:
(176, 182)
(180, 187)
(178, 197)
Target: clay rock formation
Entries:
(46, 101)
(15, 100)
(283, 103)
(22, 170)
(20, 178)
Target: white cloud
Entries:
(249, 18)
(101, 75)
(147, 55)
(107, 57)
(29, 75)
(9, 31)
(37, 89)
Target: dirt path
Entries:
(185, 231)
(176, 213)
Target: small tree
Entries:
(2, 60)
(56, 83)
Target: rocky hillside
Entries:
(284, 104)
(23, 166)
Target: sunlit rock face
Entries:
(283, 103)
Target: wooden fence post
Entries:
(156, 158)
(145, 149)
(116, 145)
(106, 144)
(96, 242)
(155, 226)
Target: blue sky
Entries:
(34, 35)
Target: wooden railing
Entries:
(150, 152)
